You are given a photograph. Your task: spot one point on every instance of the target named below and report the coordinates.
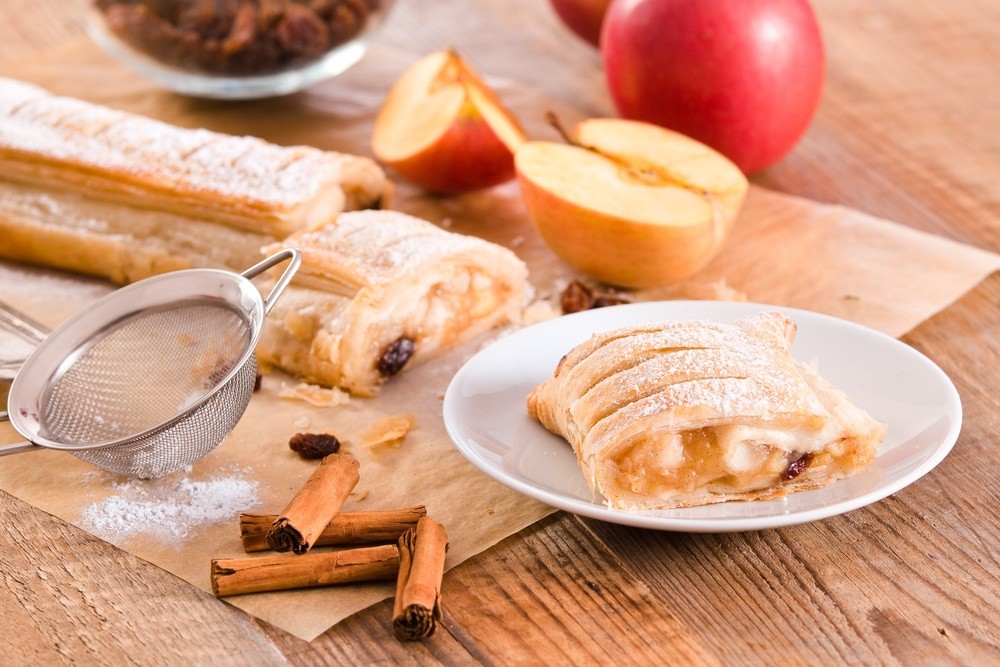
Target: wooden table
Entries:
(908, 130)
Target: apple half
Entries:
(443, 128)
(630, 203)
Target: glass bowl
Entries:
(236, 49)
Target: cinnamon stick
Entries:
(345, 528)
(316, 503)
(235, 576)
(417, 608)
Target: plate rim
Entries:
(645, 518)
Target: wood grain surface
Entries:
(908, 130)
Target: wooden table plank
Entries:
(908, 131)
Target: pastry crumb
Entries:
(388, 430)
(538, 311)
(361, 496)
(301, 422)
(314, 394)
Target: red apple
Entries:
(743, 76)
(443, 128)
(583, 17)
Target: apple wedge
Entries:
(442, 128)
(630, 203)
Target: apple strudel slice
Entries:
(380, 290)
(692, 413)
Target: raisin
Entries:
(797, 467)
(301, 33)
(395, 355)
(257, 380)
(314, 445)
(576, 297)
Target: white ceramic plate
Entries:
(484, 412)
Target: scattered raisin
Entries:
(576, 297)
(797, 467)
(257, 380)
(314, 445)
(395, 355)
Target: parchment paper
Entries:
(785, 251)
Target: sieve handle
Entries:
(295, 257)
(18, 323)
(18, 447)
(24, 328)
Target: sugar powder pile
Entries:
(168, 509)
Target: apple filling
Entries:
(719, 460)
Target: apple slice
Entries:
(442, 128)
(630, 203)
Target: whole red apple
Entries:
(583, 17)
(743, 76)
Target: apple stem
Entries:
(554, 121)
(640, 170)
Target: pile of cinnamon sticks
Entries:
(312, 519)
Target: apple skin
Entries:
(468, 156)
(583, 17)
(743, 76)
(444, 129)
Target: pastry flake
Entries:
(692, 413)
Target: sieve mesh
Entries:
(178, 446)
(148, 369)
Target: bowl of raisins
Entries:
(236, 49)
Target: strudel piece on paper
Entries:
(75, 175)
(380, 290)
(692, 413)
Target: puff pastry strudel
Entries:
(692, 413)
(380, 290)
(76, 175)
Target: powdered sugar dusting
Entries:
(169, 509)
(377, 247)
(182, 160)
(698, 371)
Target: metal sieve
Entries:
(150, 378)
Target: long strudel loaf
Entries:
(92, 189)
(690, 413)
(380, 290)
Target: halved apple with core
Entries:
(630, 203)
(444, 129)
